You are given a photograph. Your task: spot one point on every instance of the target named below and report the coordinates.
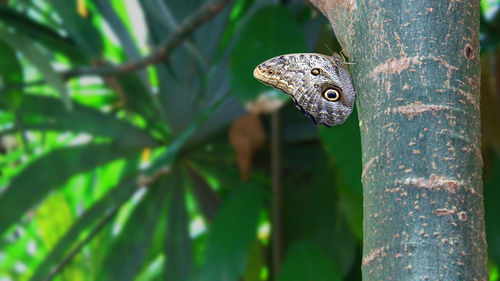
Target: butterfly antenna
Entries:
(326, 45)
(342, 54)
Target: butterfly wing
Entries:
(310, 79)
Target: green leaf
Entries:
(139, 99)
(48, 172)
(178, 249)
(209, 35)
(153, 271)
(232, 234)
(125, 258)
(46, 113)
(50, 38)
(110, 200)
(256, 262)
(297, 127)
(352, 207)
(207, 199)
(184, 137)
(105, 205)
(492, 208)
(79, 28)
(270, 32)
(10, 73)
(31, 52)
(312, 209)
(304, 262)
(343, 144)
(53, 217)
(125, 36)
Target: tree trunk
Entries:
(416, 72)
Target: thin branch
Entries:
(188, 26)
(141, 182)
(102, 223)
(173, 25)
(145, 180)
(202, 15)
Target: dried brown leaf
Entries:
(247, 136)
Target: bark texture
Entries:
(416, 72)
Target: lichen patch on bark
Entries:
(368, 165)
(435, 183)
(373, 255)
(468, 96)
(462, 216)
(326, 5)
(416, 108)
(475, 149)
(443, 212)
(445, 63)
(449, 68)
(394, 65)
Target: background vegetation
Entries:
(178, 164)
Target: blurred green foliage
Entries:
(132, 176)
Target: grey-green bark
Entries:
(416, 74)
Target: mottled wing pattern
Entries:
(308, 78)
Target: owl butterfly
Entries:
(319, 85)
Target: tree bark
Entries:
(416, 72)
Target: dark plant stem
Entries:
(277, 202)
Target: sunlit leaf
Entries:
(208, 200)
(178, 249)
(126, 256)
(104, 206)
(10, 73)
(45, 113)
(39, 60)
(41, 33)
(39, 178)
(53, 218)
(256, 262)
(124, 35)
(153, 271)
(80, 29)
